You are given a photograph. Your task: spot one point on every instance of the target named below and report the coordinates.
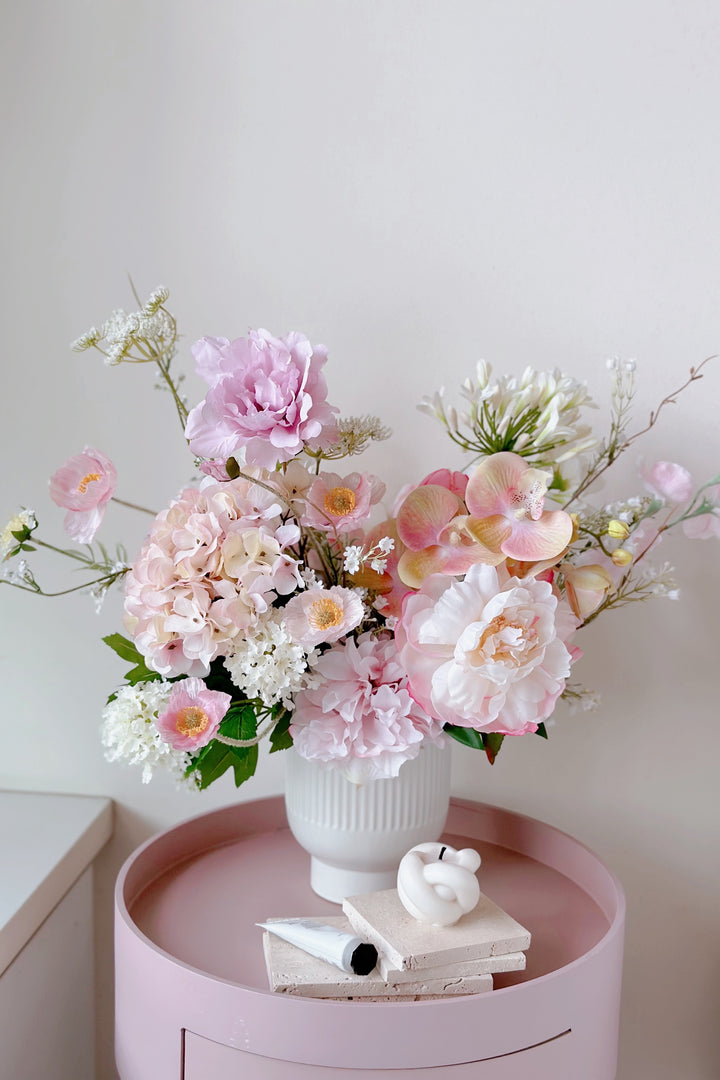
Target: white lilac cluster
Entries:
(537, 415)
(129, 733)
(24, 522)
(151, 328)
(267, 664)
(355, 557)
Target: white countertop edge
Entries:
(18, 930)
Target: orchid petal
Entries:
(425, 512)
(487, 490)
(543, 539)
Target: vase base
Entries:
(334, 883)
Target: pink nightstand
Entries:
(192, 998)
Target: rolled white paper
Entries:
(437, 884)
(345, 951)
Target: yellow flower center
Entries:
(324, 613)
(87, 479)
(192, 720)
(340, 501)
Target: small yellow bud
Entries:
(618, 529)
(621, 557)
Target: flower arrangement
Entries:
(276, 598)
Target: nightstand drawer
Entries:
(204, 1058)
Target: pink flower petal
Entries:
(423, 515)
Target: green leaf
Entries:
(124, 648)
(466, 736)
(542, 731)
(280, 737)
(240, 722)
(492, 740)
(141, 673)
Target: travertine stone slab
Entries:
(408, 944)
(293, 971)
(514, 961)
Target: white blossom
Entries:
(352, 559)
(26, 519)
(129, 733)
(266, 663)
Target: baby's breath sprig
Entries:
(149, 335)
(354, 434)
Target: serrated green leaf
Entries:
(216, 758)
(124, 648)
(141, 673)
(466, 736)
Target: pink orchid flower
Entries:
(83, 486)
(505, 498)
(192, 715)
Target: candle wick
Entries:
(442, 852)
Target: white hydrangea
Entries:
(267, 664)
(129, 733)
(26, 519)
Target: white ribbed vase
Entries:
(356, 834)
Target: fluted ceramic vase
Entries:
(356, 834)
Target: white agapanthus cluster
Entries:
(267, 664)
(129, 336)
(129, 734)
(537, 415)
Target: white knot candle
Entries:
(437, 884)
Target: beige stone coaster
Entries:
(293, 971)
(513, 961)
(410, 945)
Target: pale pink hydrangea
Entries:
(267, 399)
(361, 718)
(489, 653)
(340, 502)
(669, 481)
(214, 561)
(319, 616)
(84, 486)
(192, 715)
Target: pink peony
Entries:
(192, 715)
(322, 615)
(267, 398)
(668, 481)
(489, 652)
(339, 502)
(84, 485)
(362, 718)
(214, 561)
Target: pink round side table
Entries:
(191, 988)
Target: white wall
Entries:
(415, 184)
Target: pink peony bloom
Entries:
(489, 652)
(84, 485)
(335, 502)
(213, 563)
(668, 481)
(267, 398)
(322, 615)
(506, 499)
(705, 526)
(362, 718)
(192, 715)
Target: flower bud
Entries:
(618, 529)
(621, 557)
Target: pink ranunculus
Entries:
(192, 715)
(322, 615)
(705, 526)
(489, 653)
(505, 498)
(339, 502)
(267, 397)
(669, 481)
(361, 718)
(84, 485)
